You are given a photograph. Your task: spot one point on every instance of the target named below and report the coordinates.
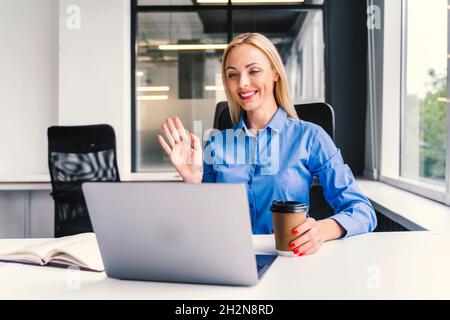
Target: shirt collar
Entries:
(276, 123)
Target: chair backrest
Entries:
(77, 154)
(222, 118)
(319, 113)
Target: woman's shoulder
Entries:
(303, 127)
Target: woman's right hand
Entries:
(184, 150)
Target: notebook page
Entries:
(44, 248)
(84, 253)
(37, 252)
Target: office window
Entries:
(424, 105)
(298, 36)
(171, 80)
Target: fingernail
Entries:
(302, 254)
(296, 251)
(292, 245)
(295, 231)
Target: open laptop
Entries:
(175, 232)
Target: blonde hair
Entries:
(281, 89)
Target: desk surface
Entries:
(400, 265)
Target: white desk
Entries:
(401, 265)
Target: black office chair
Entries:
(319, 113)
(77, 154)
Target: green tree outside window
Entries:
(433, 114)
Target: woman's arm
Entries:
(331, 229)
(354, 213)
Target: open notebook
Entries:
(80, 250)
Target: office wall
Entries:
(39, 54)
(94, 68)
(346, 76)
(29, 85)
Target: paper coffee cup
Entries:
(286, 216)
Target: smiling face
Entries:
(250, 78)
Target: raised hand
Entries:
(184, 150)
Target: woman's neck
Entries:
(258, 118)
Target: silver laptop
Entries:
(175, 232)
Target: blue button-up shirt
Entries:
(280, 163)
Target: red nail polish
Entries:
(295, 231)
(302, 254)
(292, 245)
(296, 251)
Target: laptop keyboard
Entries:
(263, 262)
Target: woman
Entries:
(271, 150)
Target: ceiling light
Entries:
(192, 47)
(214, 88)
(144, 98)
(153, 88)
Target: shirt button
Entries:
(250, 182)
(251, 205)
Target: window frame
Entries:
(394, 93)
